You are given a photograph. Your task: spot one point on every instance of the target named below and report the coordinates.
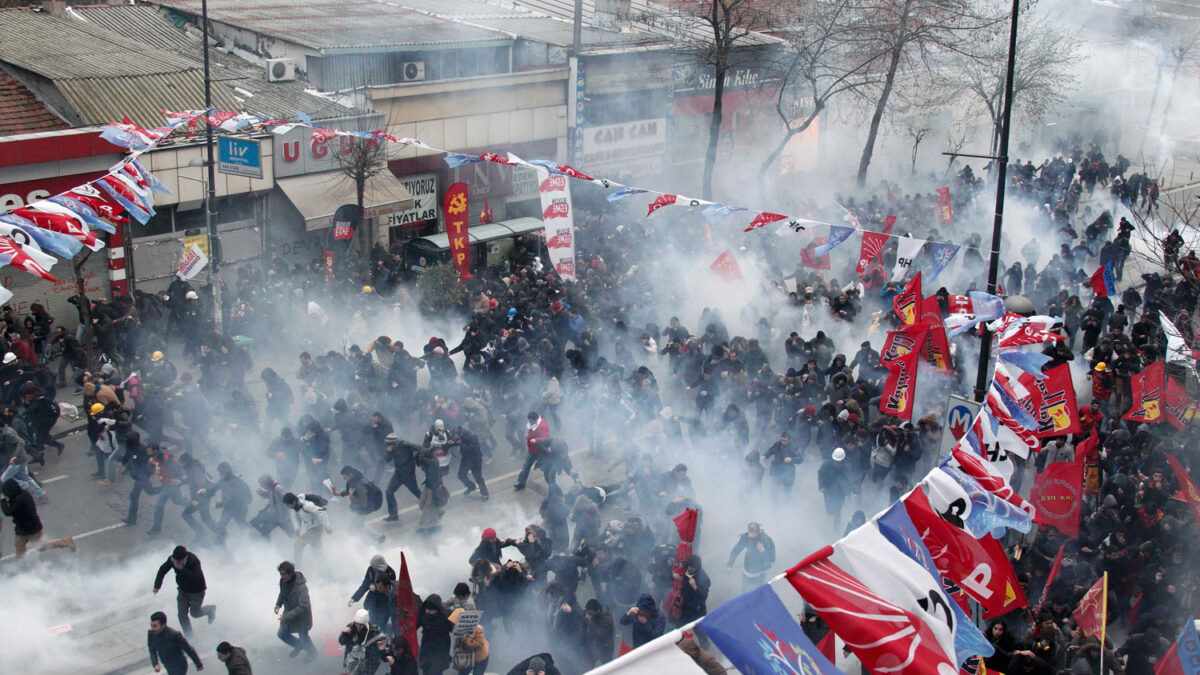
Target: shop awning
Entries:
(317, 195)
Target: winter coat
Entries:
(384, 597)
(599, 636)
(190, 578)
(19, 505)
(309, 517)
(756, 562)
(171, 648)
(297, 609)
(434, 652)
(652, 628)
(12, 445)
(357, 634)
(237, 663)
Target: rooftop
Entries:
(113, 61)
(21, 111)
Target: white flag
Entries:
(5, 295)
(657, 657)
(899, 579)
(906, 252)
(559, 219)
(193, 261)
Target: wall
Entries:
(170, 165)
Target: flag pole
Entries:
(1103, 619)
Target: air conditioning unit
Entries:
(281, 70)
(413, 71)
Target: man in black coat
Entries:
(403, 456)
(190, 579)
(470, 462)
(170, 647)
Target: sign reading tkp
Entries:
(559, 220)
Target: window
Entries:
(602, 109)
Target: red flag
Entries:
(978, 566)
(900, 389)
(456, 229)
(661, 201)
(885, 637)
(1187, 489)
(1180, 407)
(685, 527)
(56, 222)
(888, 224)
(726, 267)
(485, 216)
(907, 303)
(1093, 609)
(1051, 401)
(810, 259)
(901, 342)
(872, 244)
(1056, 495)
(406, 606)
(1054, 570)
(1147, 395)
(981, 470)
(937, 345)
(11, 254)
(1099, 285)
(960, 304)
(625, 649)
(764, 218)
(828, 646)
(945, 211)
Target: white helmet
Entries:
(839, 454)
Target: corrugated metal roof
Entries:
(59, 47)
(340, 26)
(649, 17)
(143, 23)
(117, 43)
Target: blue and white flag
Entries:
(84, 211)
(155, 184)
(963, 502)
(1029, 362)
(986, 306)
(756, 633)
(715, 213)
(457, 159)
(896, 526)
(58, 244)
(624, 192)
(837, 234)
(303, 117)
(942, 254)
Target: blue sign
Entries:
(239, 157)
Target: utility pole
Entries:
(214, 246)
(572, 84)
(985, 336)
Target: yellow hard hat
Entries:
(368, 289)
(96, 409)
(1101, 367)
(156, 356)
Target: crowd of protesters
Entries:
(607, 365)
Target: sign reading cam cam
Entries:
(423, 187)
(615, 144)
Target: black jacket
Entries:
(171, 648)
(19, 505)
(190, 578)
(237, 663)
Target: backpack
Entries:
(316, 499)
(368, 497)
(356, 657)
(239, 492)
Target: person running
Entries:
(189, 577)
(19, 505)
(536, 431)
(310, 522)
(234, 659)
(296, 618)
(169, 648)
(470, 461)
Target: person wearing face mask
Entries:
(536, 431)
(648, 623)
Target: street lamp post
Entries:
(985, 336)
(214, 247)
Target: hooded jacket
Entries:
(652, 628)
(297, 609)
(19, 505)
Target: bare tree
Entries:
(360, 160)
(1044, 71)
(913, 33)
(959, 136)
(826, 59)
(1178, 53)
(917, 127)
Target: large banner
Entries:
(1051, 401)
(559, 219)
(457, 216)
